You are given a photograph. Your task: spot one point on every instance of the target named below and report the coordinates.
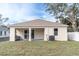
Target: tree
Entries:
(2, 20)
(65, 12)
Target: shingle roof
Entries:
(36, 23)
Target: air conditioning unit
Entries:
(51, 37)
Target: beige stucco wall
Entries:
(38, 33)
(12, 34)
(62, 33)
(20, 32)
(43, 33)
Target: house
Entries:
(38, 29)
(4, 31)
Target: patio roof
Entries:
(37, 23)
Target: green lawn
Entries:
(34, 48)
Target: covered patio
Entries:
(28, 34)
(32, 33)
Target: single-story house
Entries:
(4, 31)
(38, 29)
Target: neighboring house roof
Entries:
(37, 23)
(3, 27)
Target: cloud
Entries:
(18, 12)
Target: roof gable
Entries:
(37, 22)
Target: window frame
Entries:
(56, 31)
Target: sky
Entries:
(20, 12)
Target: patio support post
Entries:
(12, 34)
(30, 34)
(45, 34)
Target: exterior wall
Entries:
(38, 33)
(45, 33)
(62, 33)
(12, 34)
(3, 35)
(20, 33)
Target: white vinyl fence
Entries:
(73, 36)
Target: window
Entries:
(0, 33)
(5, 33)
(32, 34)
(26, 33)
(55, 31)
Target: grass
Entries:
(39, 48)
